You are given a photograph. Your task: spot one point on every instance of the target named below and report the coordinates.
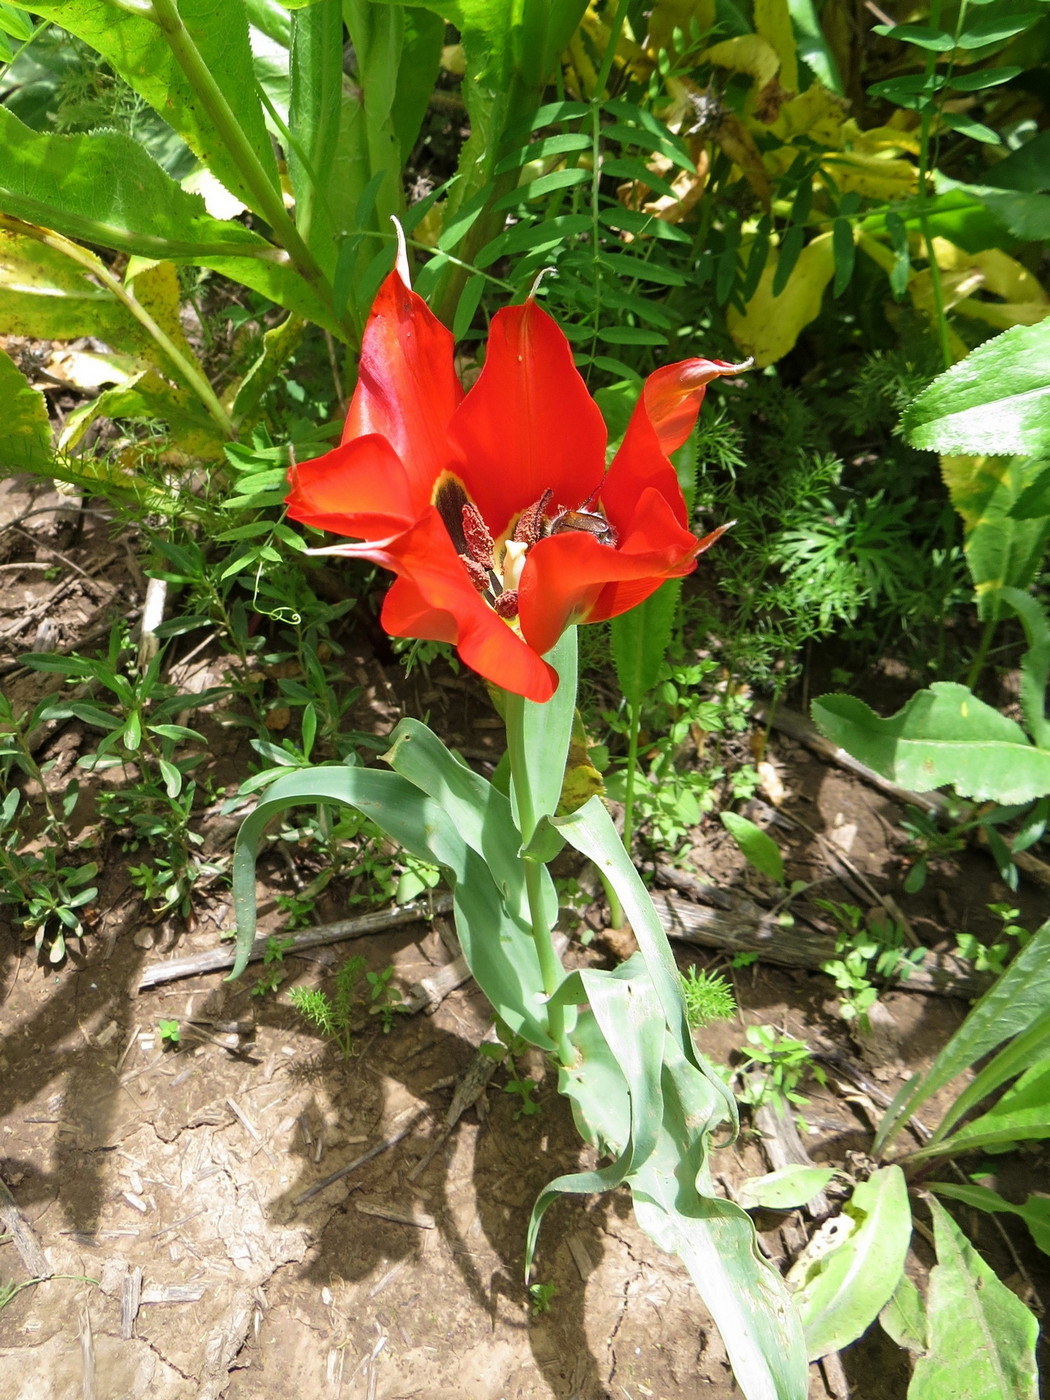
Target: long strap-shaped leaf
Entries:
(496, 944)
(624, 1013)
(591, 831)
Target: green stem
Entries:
(936, 285)
(977, 664)
(268, 199)
(551, 970)
(190, 372)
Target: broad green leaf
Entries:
(943, 735)
(104, 188)
(591, 831)
(147, 395)
(785, 1188)
(479, 813)
(640, 639)
(995, 30)
(1035, 664)
(25, 431)
(1035, 1211)
(619, 1042)
(189, 80)
(675, 1204)
(1002, 549)
(547, 729)
(1021, 1114)
(498, 948)
(759, 849)
(1023, 213)
(845, 1284)
(904, 1316)
(1009, 1007)
(981, 1336)
(996, 401)
(920, 35)
(317, 158)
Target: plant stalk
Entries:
(268, 200)
(189, 372)
(551, 970)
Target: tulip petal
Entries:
(433, 598)
(663, 418)
(407, 390)
(528, 424)
(572, 578)
(359, 489)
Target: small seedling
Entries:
(273, 960)
(386, 999)
(542, 1296)
(708, 997)
(994, 957)
(332, 1015)
(170, 1033)
(785, 1063)
(866, 950)
(525, 1089)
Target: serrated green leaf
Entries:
(137, 47)
(943, 735)
(845, 1285)
(981, 1336)
(25, 430)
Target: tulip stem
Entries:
(551, 971)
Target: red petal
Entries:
(528, 424)
(407, 388)
(671, 397)
(433, 598)
(572, 578)
(663, 418)
(359, 490)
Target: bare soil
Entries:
(403, 1277)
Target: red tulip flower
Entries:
(494, 507)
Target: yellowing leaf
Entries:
(773, 23)
(878, 138)
(156, 287)
(871, 176)
(746, 53)
(770, 325)
(815, 113)
(668, 15)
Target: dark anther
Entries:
(477, 573)
(532, 523)
(506, 604)
(476, 533)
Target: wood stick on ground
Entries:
(749, 929)
(14, 1223)
(383, 1146)
(215, 959)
